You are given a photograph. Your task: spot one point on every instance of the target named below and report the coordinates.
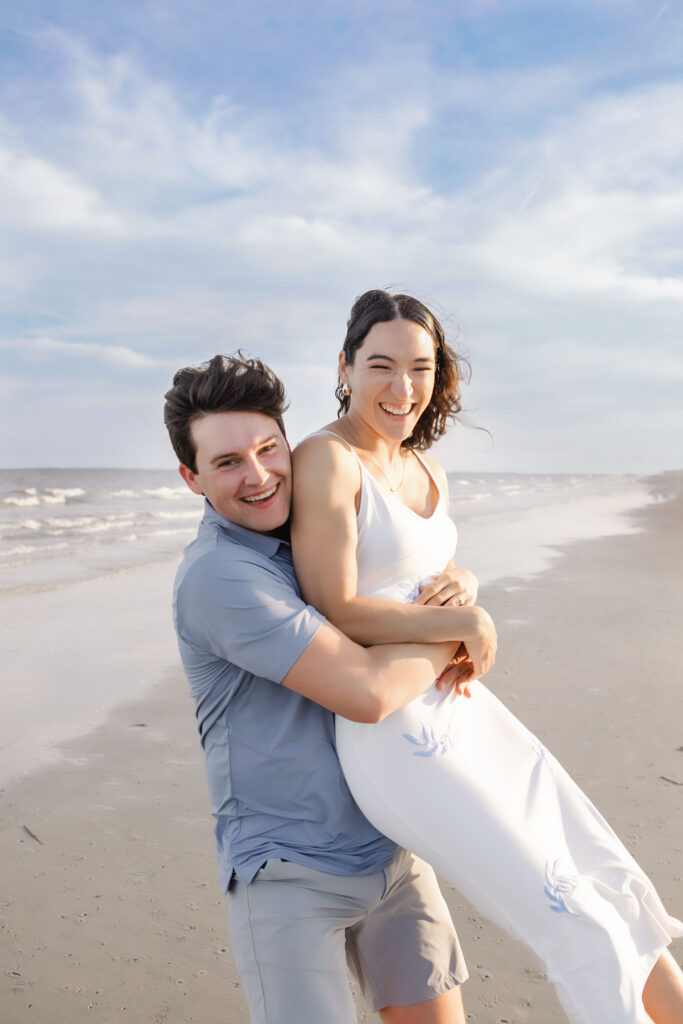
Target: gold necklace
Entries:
(399, 485)
(403, 459)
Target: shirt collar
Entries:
(261, 542)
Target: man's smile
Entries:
(262, 496)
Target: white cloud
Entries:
(566, 359)
(595, 205)
(14, 275)
(37, 195)
(113, 355)
(138, 140)
(173, 230)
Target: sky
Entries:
(184, 178)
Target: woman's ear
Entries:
(342, 371)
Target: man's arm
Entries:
(239, 606)
(365, 684)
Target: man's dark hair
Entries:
(223, 384)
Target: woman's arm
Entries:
(324, 543)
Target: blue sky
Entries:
(182, 178)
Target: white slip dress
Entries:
(464, 785)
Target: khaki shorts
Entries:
(294, 929)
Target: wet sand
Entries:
(109, 901)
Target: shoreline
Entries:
(77, 652)
(110, 905)
(72, 653)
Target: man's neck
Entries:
(281, 533)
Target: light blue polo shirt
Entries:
(275, 781)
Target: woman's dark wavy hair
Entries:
(375, 307)
(223, 384)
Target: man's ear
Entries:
(190, 478)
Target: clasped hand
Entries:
(458, 673)
(455, 586)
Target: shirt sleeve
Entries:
(243, 609)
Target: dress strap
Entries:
(339, 438)
(423, 462)
(363, 469)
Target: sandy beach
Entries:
(109, 902)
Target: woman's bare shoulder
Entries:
(326, 453)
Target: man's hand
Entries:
(458, 674)
(454, 586)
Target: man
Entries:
(311, 882)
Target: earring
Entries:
(346, 391)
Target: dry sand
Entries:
(109, 901)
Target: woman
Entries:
(460, 782)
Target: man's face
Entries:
(243, 468)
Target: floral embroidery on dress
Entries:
(557, 887)
(430, 743)
(410, 589)
(539, 748)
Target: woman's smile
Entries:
(397, 410)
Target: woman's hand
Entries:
(454, 586)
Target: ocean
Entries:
(61, 526)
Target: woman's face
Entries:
(391, 378)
